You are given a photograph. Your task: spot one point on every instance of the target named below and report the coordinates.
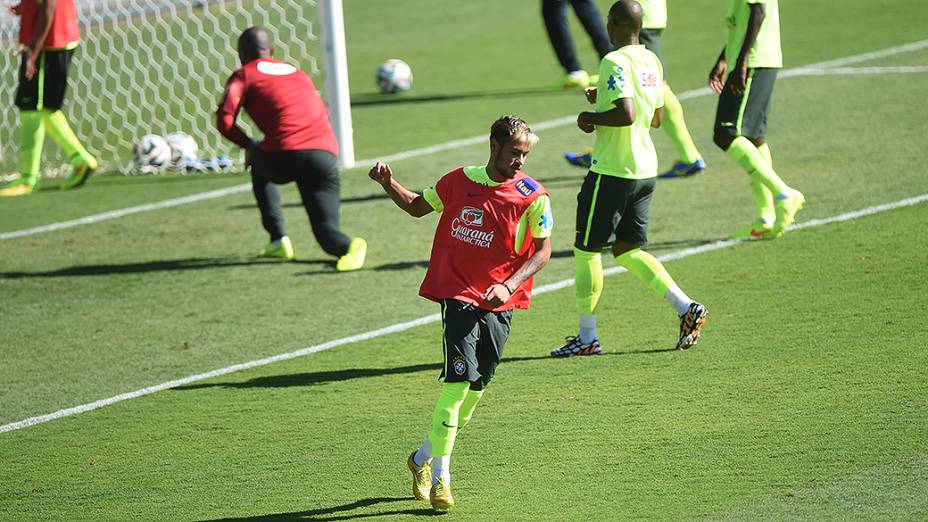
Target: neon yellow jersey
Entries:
(766, 51)
(537, 218)
(628, 152)
(655, 14)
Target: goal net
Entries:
(154, 67)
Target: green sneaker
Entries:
(577, 79)
(280, 249)
(78, 177)
(786, 212)
(19, 187)
(756, 230)
(354, 258)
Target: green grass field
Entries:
(806, 399)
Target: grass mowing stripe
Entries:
(399, 327)
(811, 69)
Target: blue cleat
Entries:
(684, 170)
(579, 159)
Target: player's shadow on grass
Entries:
(332, 514)
(323, 377)
(157, 266)
(374, 99)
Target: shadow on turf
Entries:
(157, 266)
(374, 99)
(314, 378)
(329, 514)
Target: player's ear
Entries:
(494, 146)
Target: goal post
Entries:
(160, 66)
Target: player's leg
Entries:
(631, 233)
(267, 196)
(597, 204)
(741, 116)
(31, 130)
(319, 186)
(57, 64)
(554, 13)
(592, 21)
(494, 332)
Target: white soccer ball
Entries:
(183, 148)
(394, 76)
(152, 152)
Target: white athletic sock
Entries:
(680, 301)
(424, 453)
(277, 241)
(587, 328)
(441, 468)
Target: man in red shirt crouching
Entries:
(494, 234)
(298, 145)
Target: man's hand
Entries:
(31, 56)
(717, 76)
(381, 173)
(497, 295)
(738, 78)
(14, 9)
(584, 123)
(590, 93)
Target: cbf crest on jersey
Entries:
(526, 187)
(616, 79)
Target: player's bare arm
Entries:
(622, 115)
(43, 26)
(717, 74)
(414, 204)
(658, 118)
(500, 293)
(740, 70)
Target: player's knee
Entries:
(593, 248)
(480, 384)
(621, 247)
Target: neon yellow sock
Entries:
(648, 269)
(747, 155)
(763, 198)
(446, 417)
(61, 132)
(468, 406)
(31, 140)
(675, 127)
(589, 280)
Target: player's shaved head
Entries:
(254, 43)
(626, 13)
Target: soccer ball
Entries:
(152, 153)
(183, 148)
(394, 76)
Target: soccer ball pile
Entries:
(394, 76)
(176, 151)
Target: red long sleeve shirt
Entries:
(284, 104)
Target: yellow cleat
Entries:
(440, 496)
(354, 258)
(281, 249)
(786, 212)
(577, 79)
(78, 177)
(20, 187)
(756, 230)
(421, 478)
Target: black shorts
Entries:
(46, 89)
(651, 40)
(613, 209)
(746, 115)
(284, 166)
(473, 341)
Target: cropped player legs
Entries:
(319, 188)
(592, 21)
(554, 13)
(267, 195)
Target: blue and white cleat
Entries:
(685, 170)
(579, 159)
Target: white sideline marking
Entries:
(550, 124)
(905, 69)
(399, 327)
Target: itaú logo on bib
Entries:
(462, 228)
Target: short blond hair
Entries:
(508, 128)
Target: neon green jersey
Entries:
(628, 152)
(537, 218)
(655, 14)
(766, 51)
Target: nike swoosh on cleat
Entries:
(445, 424)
